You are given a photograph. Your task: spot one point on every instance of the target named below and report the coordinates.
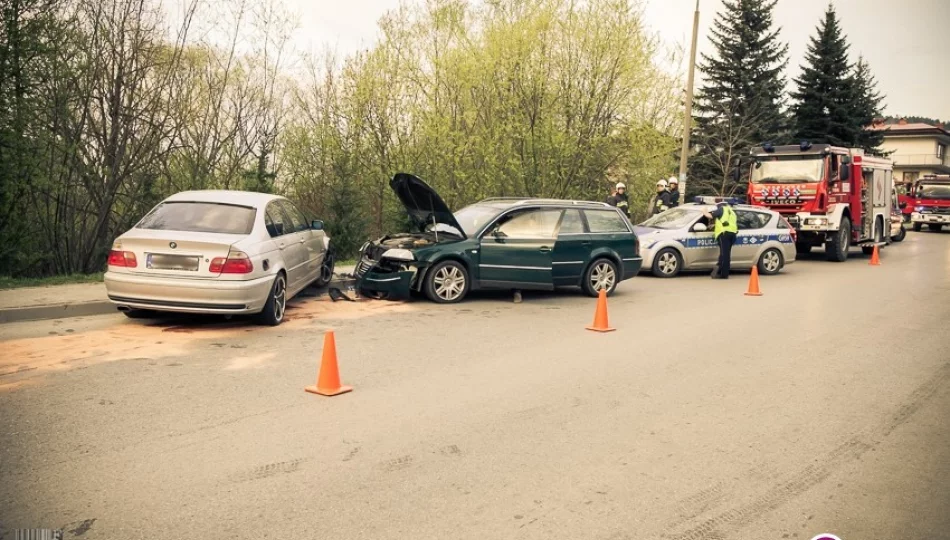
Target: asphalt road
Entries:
(818, 407)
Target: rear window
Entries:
(605, 221)
(200, 217)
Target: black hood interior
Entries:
(423, 204)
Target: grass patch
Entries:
(7, 282)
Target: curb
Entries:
(105, 307)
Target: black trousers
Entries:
(725, 240)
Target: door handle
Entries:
(281, 245)
(585, 243)
(302, 240)
(545, 249)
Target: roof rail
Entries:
(529, 200)
(493, 199)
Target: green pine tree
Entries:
(825, 107)
(741, 102)
(866, 107)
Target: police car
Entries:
(682, 238)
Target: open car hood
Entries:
(422, 203)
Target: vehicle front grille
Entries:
(937, 210)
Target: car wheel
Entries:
(918, 227)
(326, 269)
(447, 283)
(837, 249)
(139, 313)
(900, 235)
(771, 262)
(601, 274)
(273, 312)
(667, 263)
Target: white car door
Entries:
(288, 241)
(312, 241)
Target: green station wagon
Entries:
(501, 243)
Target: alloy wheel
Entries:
(603, 276)
(280, 298)
(667, 263)
(326, 269)
(449, 283)
(771, 261)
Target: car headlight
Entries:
(918, 209)
(816, 221)
(399, 255)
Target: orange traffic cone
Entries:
(328, 380)
(754, 283)
(600, 316)
(875, 257)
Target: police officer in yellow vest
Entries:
(726, 227)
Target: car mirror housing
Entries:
(700, 227)
(316, 225)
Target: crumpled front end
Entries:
(392, 276)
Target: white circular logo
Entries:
(825, 536)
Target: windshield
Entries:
(472, 218)
(788, 170)
(676, 218)
(200, 217)
(933, 191)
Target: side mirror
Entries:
(845, 172)
(316, 225)
(700, 227)
(846, 160)
(498, 234)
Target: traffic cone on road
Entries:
(328, 380)
(754, 283)
(600, 316)
(875, 257)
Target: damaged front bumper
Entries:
(385, 279)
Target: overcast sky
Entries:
(905, 41)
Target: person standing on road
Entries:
(726, 228)
(674, 192)
(662, 201)
(620, 199)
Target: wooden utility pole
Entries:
(688, 116)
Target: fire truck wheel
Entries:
(802, 248)
(667, 263)
(771, 262)
(837, 248)
(899, 237)
(918, 226)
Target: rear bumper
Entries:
(631, 267)
(188, 295)
(917, 217)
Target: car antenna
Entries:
(435, 223)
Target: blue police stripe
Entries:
(694, 242)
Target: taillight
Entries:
(125, 259)
(237, 262)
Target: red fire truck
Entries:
(833, 196)
(930, 198)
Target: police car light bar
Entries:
(716, 200)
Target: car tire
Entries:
(326, 269)
(837, 249)
(447, 282)
(899, 237)
(667, 263)
(878, 239)
(771, 262)
(139, 313)
(276, 305)
(918, 227)
(602, 271)
(802, 248)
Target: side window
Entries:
(295, 219)
(530, 224)
(572, 223)
(303, 224)
(278, 223)
(747, 219)
(605, 221)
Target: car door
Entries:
(702, 250)
(311, 240)
(291, 250)
(750, 237)
(571, 250)
(516, 251)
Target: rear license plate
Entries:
(157, 261)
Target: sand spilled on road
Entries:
(24, 361)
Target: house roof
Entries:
(916, 128)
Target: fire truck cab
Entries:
(833, 196)
(931, 201)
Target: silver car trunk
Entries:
(176, 253)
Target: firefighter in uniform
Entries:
(725, 229)
(674, 192)
(620, 199)
(662, 201)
